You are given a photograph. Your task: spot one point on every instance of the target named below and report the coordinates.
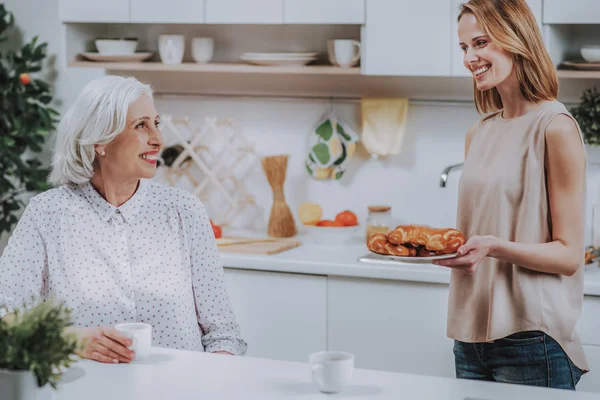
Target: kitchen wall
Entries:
(408, 182)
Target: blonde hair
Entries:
(98, 115)
(512, 26)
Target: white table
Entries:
(181, 375)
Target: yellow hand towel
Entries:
(383, 125)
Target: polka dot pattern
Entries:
(153, 260)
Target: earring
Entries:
(103, 153)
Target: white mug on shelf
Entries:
(344, 53)
(141, 336)
(202, 49)
(171, 48)
(331, 370)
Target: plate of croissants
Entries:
(416, 243)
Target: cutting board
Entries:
(255, 245)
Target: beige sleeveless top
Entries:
(502, 192)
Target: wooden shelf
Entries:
(238, 68)
(577, 74)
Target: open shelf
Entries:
(577, 74)
(239, 68)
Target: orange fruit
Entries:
(347, 218)
(330, 223)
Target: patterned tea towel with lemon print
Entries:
(331, 145)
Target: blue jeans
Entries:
(527, 358)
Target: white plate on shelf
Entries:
(280, 56)
(288, 62)
(135, 57)
(583, 65)
(380, 258)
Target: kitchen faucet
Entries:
(445, 173)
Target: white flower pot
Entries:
(22, 385)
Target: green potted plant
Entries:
(26, 119)
(587, 114)
(35, 349)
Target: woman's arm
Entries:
(215, 313)
(565, 171)
(23, 264)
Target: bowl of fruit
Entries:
(341, 229)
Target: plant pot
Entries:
(22, 385)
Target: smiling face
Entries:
(489, 63)
(134, 152)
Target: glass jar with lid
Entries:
(379, 219)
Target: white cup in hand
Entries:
(141, 336)
(331, 370)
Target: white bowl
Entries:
(116, 46)
(591, 53)
(334, 235)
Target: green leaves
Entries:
(587, 115)
(321, 151)
(34, 339)
(325, 130)
(26, 119)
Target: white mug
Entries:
(202, 49)
(331, 370)
(344, 53)
(141, 336)
(171, 48)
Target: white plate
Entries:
(280, 55)
(412, 260)
(276, 62)
(117, 57)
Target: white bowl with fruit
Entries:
(342, 229)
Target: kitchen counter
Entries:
(342, 260)
(176, 374)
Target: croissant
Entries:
(436, 240)
(378, 243)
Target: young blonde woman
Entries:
(516, 290)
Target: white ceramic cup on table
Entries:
(171, 48)
(140, 335)
(202, 49)
(331, 370)
(344, 53)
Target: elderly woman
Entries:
(115, 246)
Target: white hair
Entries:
(98, 115)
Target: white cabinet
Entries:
(324, 11)
(282, 316)
(407, 37)
(588, 325)
(94, 10)
(390, 325)
(244, 12)
(590, 382)
(172, 11)
(458, 68)
(571, 12)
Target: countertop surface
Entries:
(343, 260)
(182, 375)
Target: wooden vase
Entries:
(281, 221)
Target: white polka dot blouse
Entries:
(154, 260)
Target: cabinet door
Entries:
(407, 37)
(391, 326)
(458, 69)
(590, 382)
(281, 316)
(172, 11)
(324, 11)
(244, 12)
(571, 12)
(94, 10)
